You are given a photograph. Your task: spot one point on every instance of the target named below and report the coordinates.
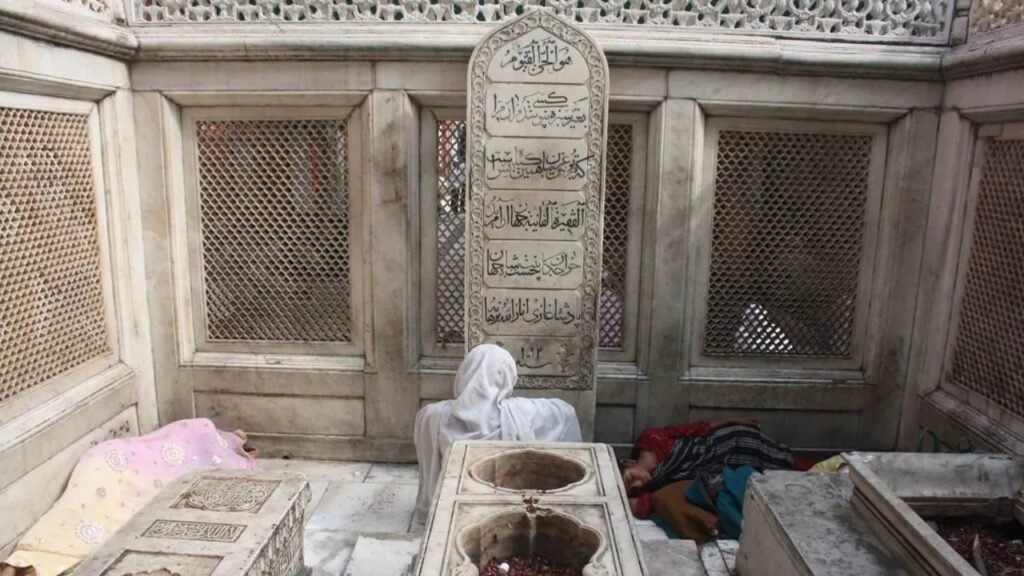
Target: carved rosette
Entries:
(593, 190)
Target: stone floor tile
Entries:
(679, 557)
(383, 555)
(368, 508)
(648, 530)
(320, 469)
(719, 558)
(401, 473)
(327, 552)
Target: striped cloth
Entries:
(729, 446)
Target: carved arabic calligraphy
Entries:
(535, 109)
(516, 264)
(537, 56)
(519, 311)
(556, 164)
(544, 216)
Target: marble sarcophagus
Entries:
(211, 523)
(563, 502)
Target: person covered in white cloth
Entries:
(482, 410)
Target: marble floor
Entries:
(359, 522)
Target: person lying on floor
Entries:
(111, 482)
(662, 456)
(483, 410)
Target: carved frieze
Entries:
(925, 21)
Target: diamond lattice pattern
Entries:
(989, 352)
(275, 229)
(617, 187)
(451, 226)
(787, 242)
(52, 316)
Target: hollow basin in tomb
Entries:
(897, 493)
(562, 502)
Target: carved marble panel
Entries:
(550, 163)
(186, 530)
(542, 356)
(531, 311)
(536, 265)
(227, 494)
(517, 214)
(211, 523)
(518, 109)
(537, 123)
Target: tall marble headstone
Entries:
(538, 119)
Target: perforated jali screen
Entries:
(51, 291)
(989, 353)
(617, 187)
(787, 242)
(274, 207)
(451, 227)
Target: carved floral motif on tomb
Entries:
(991, 15)
(227, 495)
(282, 556)
(924, 21)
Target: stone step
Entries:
(383, 555)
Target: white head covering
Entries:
(482, 410)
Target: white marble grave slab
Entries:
(212, 523)
(564, 502)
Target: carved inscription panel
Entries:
(538, 118)
(227, 494)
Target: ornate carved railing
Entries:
(907, 21)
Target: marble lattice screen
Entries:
(53, 306)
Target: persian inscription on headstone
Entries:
(537, 125)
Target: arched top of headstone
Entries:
(538, 47)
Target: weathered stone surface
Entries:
(797, 523)
(212, 523)
(679, 557)
(537, 124)
(895, 492)
(562, 501)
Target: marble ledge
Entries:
(454, 43)
(67, 26)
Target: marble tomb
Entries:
(212, 523)
(564, 502)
